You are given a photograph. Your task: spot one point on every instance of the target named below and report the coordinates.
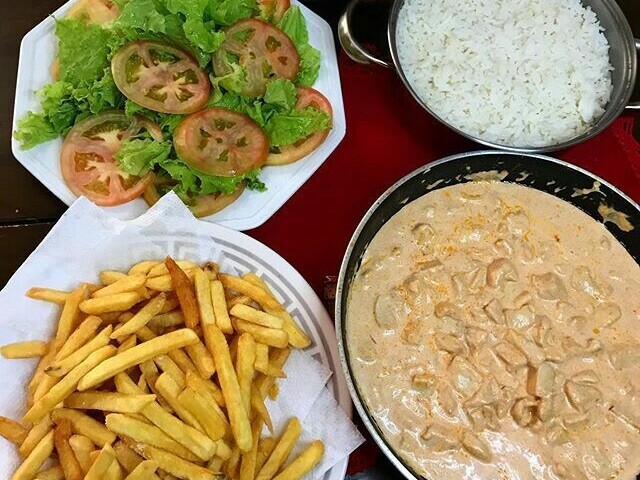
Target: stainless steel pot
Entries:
(623, 48)
(547, 174)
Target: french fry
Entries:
(140, 319)
(173, 464)
(245, 360)
(144, 471)
(60, 368)
(100, 467)
(238, 300)
(107, 277)
(69, 316)
(150, 373)
(143, 267)
(52, 473)
(257, 404)
(252, 315)
(202, 286)
(269, 336)
(136, 355)
(185, 292)
(67, 384)
(118, 302)
(274, 391)
(262, 358)
(164, 283)
(161, 268)
(37, 433)
(46, 383)
(166, 320)
(171, 303)
(82, 447)
(85, 425)
(170, 367)
(178, 356)
(277, 358)
(34, 461)
(238, 417)
(85, 332)
(248, 461)
(258, 294)
(224, 450)
(66, 457)
(202, 359)
(126, 457)
(303, 463)
(194, 440)
(30, 349)
(211, 269)
(215, 464)
(108, 401)
(265, 448)
(206, 387)
(219, 304)
(281, 451)
(297, 337)
(128, 343)
(143, 432)
(12, 430)
(169, 390)
(232, 467)
(128, 283)
(114, 472)
(48, 295)
(200, 407)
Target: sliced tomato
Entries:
(100, 12)
(273, 9)
(88, 164)
(160, 77)
(264, 51)
(201, 206)
(222, 142)
(307, 97)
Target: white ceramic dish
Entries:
(65, 257)
(252, 209)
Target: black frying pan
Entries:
(547, 174)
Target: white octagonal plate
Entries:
(252, 209)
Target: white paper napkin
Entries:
(87, 240)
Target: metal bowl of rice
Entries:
(518, 75)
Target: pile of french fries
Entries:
(160, 372)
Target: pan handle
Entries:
(635, 105)
(351, 46)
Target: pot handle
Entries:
(351, 46)
(635, 105)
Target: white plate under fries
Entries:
(252, 209)
(62, 268)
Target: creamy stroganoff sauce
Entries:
(493, 333)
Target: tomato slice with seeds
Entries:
(264, 51)
(221, 142)
(200, 206)
(88, 164)
(307, 97)
(160, 77)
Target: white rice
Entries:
(524, 73)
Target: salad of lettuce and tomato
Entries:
(193, 96)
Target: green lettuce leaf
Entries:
(309, 65)
(251, 107)
(101, 95)
(227, 12)
(294, 24)
(139, 156)
(34, 129)
(197, 29)
(141, 15)
(287, 128)
(166, 121)
(282, 94)
(83, 51)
